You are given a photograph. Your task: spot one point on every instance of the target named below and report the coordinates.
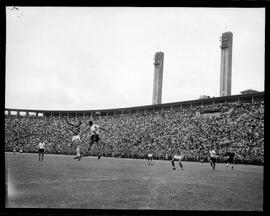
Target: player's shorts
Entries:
(41, 150)
(95, 138)
(213, 159)
(76, 138)
(150, 155)
(177, 157)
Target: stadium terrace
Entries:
(234, 123)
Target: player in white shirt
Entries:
(94, 130)
(213, 156)
(76, 138)
(177, 157)
(41, 147)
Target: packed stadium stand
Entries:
(234, 123)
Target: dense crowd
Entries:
(226, 127)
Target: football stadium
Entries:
(122, 177)
(204, 154)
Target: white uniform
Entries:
(41, 145)
(150, 155)
(76, 138)
(212, 153)
(94, 129)
(177, 157)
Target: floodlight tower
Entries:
(226, 64)
(158, 77)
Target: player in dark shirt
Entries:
(230, 158)
(76, 128)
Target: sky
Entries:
(83, 58)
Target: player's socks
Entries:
(180, 164)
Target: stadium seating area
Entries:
(226, 127)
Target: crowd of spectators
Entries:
(226, 127)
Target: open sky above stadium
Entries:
(82, 58)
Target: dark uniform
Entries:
(230, 158)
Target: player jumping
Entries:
(76, 129)
(94, 130)
(177, 157)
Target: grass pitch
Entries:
(112, 183)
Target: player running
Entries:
(230, 158)
(94, 130)
(213, 156)
(177, 157)
(76, 129)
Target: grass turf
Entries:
(112, 183)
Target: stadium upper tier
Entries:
(242, 98)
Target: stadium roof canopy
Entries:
(249, 91)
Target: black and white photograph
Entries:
(134, 108)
